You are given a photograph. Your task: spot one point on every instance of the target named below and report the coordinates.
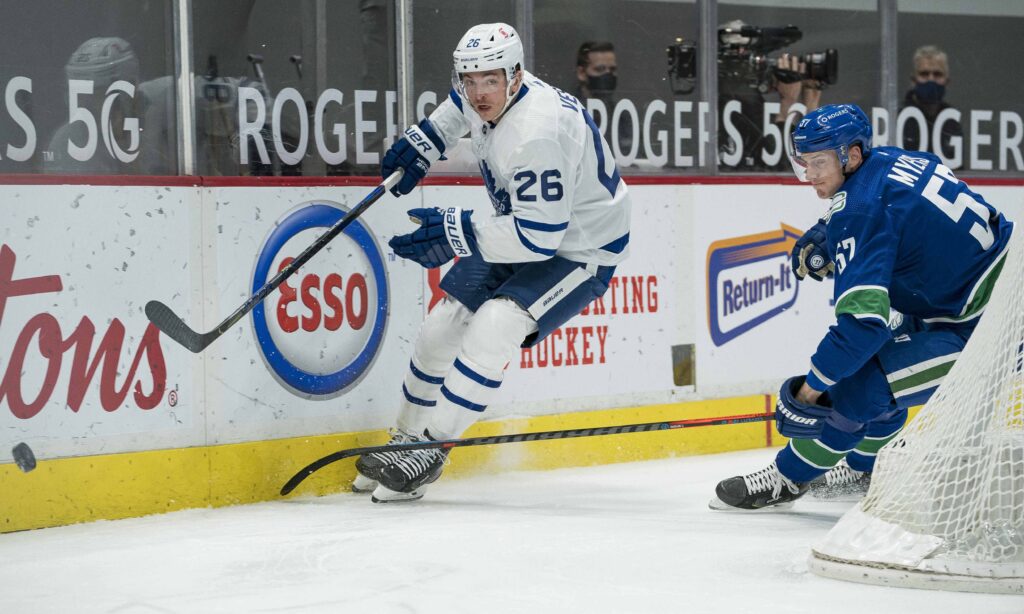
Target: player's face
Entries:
(823, 172)
(487, 92)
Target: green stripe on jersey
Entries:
(869, 301)
(931, 374)
(872, 446)
(814, 453)
(984, 291)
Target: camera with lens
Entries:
(743, 60)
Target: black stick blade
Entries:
(175, 328)
(309, 469)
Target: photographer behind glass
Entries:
(745, 75)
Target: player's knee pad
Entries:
(441, 336)
(865, 395)
(495, 333)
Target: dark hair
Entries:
(582, 56)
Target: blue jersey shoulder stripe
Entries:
(455, 98)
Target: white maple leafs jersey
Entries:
(551, 177)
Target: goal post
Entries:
(946, 505)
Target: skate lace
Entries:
(414, 463)
(841, 475)
(397, 436)
(766, 479)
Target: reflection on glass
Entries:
(88, 88)
(304, 88)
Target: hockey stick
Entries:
(174, 327)
(316, 465)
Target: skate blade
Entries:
(721, 506)
(363, 484)
(383, 494)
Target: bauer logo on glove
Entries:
(419, 147)
(442, 235)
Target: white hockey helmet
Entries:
(489, 46)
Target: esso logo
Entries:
(321, 329)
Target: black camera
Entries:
(743, 60)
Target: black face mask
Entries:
(929, 92)
(601, 85)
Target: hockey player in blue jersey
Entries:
(902, 233)
(560, 226)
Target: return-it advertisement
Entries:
(756, 323)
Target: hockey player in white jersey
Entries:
(560, 225)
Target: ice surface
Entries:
(634, 537)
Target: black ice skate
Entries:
(841, 483)
(764, 489)
(406, 478)
(369, 466)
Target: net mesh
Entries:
(947, 495)
(957, 471)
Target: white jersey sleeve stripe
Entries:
(530, 245)
(541, 225)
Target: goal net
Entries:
(946, 505)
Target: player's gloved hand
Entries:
(443, 234)
(418, 148)
(810, 255)
(800, 420)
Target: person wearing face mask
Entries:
(931, 75)
(597, 78)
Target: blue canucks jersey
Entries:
(904, 233)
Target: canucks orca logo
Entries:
(499, 198)
(321, 330)
(837, 204)
(749, 281)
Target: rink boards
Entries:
(704, 319)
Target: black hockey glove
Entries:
(418, 148)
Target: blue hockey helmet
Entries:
(832, 127)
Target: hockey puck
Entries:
(24, 457)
